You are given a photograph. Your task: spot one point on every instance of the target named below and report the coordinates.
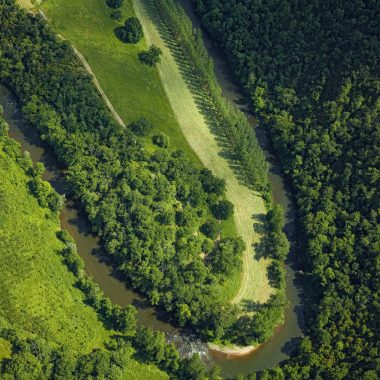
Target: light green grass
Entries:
(254, 284)
(5, 349)
(37, 292)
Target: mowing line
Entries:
(254, 282)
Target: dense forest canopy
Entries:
(311, 70)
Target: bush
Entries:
(150, 57)
(276, 275)
(131, 32)
(161, 140)
(210, 229)
(210, 183)
(116, 15)
(114, 3)
(141, 127)
(222, 210)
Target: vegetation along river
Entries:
(270, 353)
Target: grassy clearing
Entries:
(37, 292)
(254, 284)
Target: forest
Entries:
(155, 211)
(311, 73)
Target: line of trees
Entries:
(311, 70)
(230, 124)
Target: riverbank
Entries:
(233, 351)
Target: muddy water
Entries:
(283, 341)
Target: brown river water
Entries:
(283, 340)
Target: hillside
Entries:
(39, 299)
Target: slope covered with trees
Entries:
(311, 70)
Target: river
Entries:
(269, 354)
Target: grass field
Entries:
(254, 284)
(37, 292)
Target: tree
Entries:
(161, 139)
(131, 32)
(210, 183)
(150, 57)
(115, 3)
(141, 127)
(210, 229)
(223, 209)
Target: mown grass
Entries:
(38, 296)
(253, 283)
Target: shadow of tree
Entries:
(251, 306)
(198, 91)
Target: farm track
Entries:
(95, 80)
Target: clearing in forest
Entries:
(254, 284)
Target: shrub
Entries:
(114, 3)
(131, 32)
(150, 57)
(141, 127)
(210, 229)
(222, 210)
(116, 15)
(161, 140)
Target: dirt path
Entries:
(97, 84)
(254, 283)
(89, 70)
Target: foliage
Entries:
(223, 209)
(141, 127)
(210, 228)
(312, 72)
(161, 139)
(150, 57)
(114, 3)
(116, 15)
(131, 32)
